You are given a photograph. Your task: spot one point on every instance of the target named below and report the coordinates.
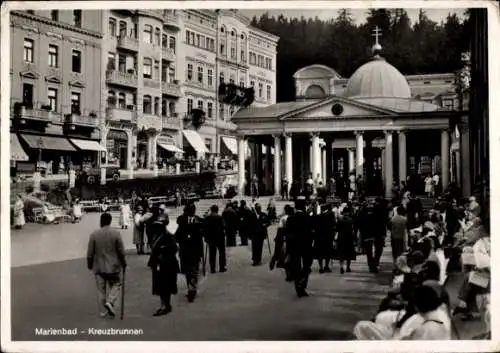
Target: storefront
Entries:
(168, 151)
(116, 147)
(195, 146)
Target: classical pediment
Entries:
(337, 108)
(77, 84)
(29, 74)
(53, 79)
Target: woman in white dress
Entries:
(125, 214)
(428, 186)
(19, 220)
(77, 211)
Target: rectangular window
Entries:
(252, 83)
(200, 74)
(210, 107)
(188, 37)
(243, 55)
(200, 105)
(29, 45)
(112, 27)
(53, 55)
(122, 29)
(189, 105)
(147, 36)
(231, 79)
(191, 35)
(208, 143)
(157, 37)
(190, 72)
(270, 64)
(222, 49)
(260, 90)
(111, 61)
(76, 65)
(52, 96)
(122, 63)
(210, 77)
(148, 68)
(28, 95)
(171, 43)
(75, 103)
(157, 70)
(147, 105)
(164, 40)
(54, 15)
(268, 89)
(197, 40)
(77, 18)
(221, 78)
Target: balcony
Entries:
(171, 88)
(172, 122)
(149, 122)
(168, 54)
(152, 83)
(171, 20)
(121, 115)
(128, 43)
(128, 79)
(74, 120)
(26, 113)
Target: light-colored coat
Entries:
(19, 220)
(125, 214)
(106, 252)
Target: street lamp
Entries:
(40, 146)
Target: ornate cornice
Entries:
(48, 21)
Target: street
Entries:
(52, 288)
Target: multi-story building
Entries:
(55, 89)
(142, 72)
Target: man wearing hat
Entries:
(299, 246)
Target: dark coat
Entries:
(260, 228)
(189, 236)
(231, 219)
(324, 235)
(214, 229)
(299, 233)
(248, 221)
(346, 239)
(163, 262)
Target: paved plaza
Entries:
(52, 288)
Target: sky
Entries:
(359, 15)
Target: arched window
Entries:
(223, 29)
(111, 99)
(146, 104)
(123, 29)
(157, 106)
(121, 100)
(200, 104)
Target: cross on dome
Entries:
(377, 32)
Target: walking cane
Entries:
(122, 306)
(205, 260)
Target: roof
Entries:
(274, 110)
(401, 105)
(377, 78)
(317, 69)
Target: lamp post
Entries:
(40, 146)
(216, 106)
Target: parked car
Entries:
(92, 175)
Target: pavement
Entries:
(52, 288)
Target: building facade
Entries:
(55, 89)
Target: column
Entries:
(150, 153)
(382, 162)
(445, 159)
(316, 155)
(359, 153)
(323, 165)
(388, 164)
(288, 160)
(352, 163)
(402, 156)
(251, 162)
(130, 148)
(267, 169)
(241, 166)
(277, 165)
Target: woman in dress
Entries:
(77, 211)
(19, 220)
(428, 186)
(139, 230)
(124, 214)
(346, 240)
(163, 263)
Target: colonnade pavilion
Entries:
(375, 129)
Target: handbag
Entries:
(480, 279)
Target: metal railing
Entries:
(122, 78)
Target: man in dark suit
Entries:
(259, 224)
(215, 238)
(246, 215)
(299, 246)
(106, 258)
(232, 222)
(189, 235)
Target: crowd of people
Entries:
(425, 246)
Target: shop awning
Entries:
(170, 148)
(16, 151)
(230, 144)
(195, 141)
(48, 142)
(88, 145)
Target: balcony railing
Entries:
(76, 119)
(171, 122)
(149, 122)
(171, 88)
(25, 113)
(168, 54)
(121, 78)
(152, 83)
(119, 114)
(128, 43)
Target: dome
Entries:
(377, 78)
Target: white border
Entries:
(286, 347)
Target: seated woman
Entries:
(49, 214)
